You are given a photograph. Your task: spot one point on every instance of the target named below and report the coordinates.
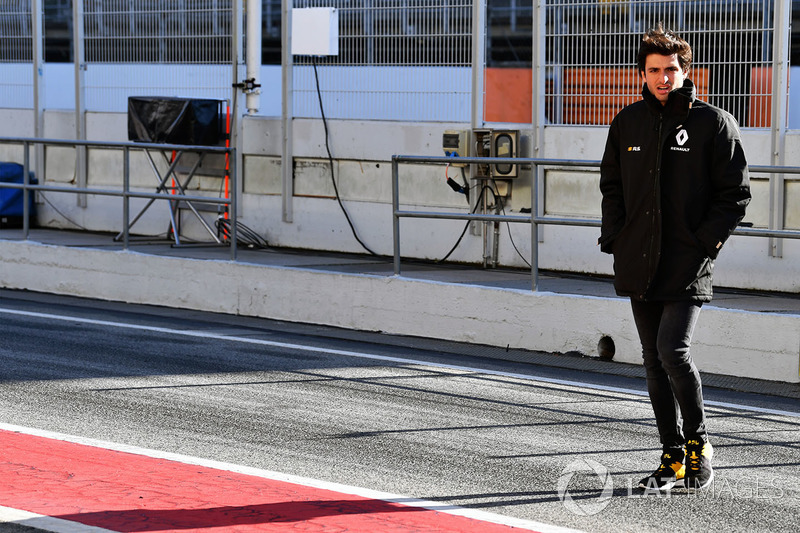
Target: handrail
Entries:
(126, 194)
(534, 219)
(116, 144)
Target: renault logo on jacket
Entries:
(681, 139)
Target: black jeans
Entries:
(673, 382)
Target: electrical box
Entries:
(315, 31)
(496, 143)
(454, 144)
(504, 144)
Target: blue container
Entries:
(11, 200)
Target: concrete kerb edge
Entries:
(729, 342)
(28, 521)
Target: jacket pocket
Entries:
(701, 277)
(630, 262)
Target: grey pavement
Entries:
(497, 441)
(501, 278)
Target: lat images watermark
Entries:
(585, 487)
(582, 501)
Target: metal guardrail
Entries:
(534, 219)
(126, 193)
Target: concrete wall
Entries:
(726, 341)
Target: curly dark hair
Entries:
(664, 42)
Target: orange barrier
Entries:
(759, 114)
(509, 93)
(592, 95)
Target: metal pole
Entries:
(37, 14)
(79, 60)
(237, 33)
(780, 90)
(234, 208)
(485, 225)
(538, 117)
(478, 61)
(26, 181)
(253, 98)
(478, 64)
(534, 228)
(496, 238)
(126, 201)
(395, 217)
(287, 94)
(538, 81)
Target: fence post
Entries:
(234, 205)
(26, 181)
(780, 90)
(126, 199)
(478, 61)
(37, 14)
(534, 227)
(79, 60)
(395, 217)
(287, 110)
(237, 34)
(539, 76)
(253, 50)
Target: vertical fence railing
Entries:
(37, 58)
(17, 54)
(591, 54)
(398, 60)
(177, 48)
(410, 59)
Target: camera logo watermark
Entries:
(585, 488)
(580, 501)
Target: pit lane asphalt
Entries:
(493, 440)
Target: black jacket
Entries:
(675, 184)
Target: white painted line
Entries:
(376, 357)
(474, 514)
(45, 523)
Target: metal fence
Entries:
(16, 53)
(155, 48)
(173, 193)
(154, 31)
(778, 176)
(591, 55)
(398, 60)
(414, 60)
(16, 31)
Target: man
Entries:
(675, 184)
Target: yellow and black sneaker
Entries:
(669, 474)
(699, 473)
